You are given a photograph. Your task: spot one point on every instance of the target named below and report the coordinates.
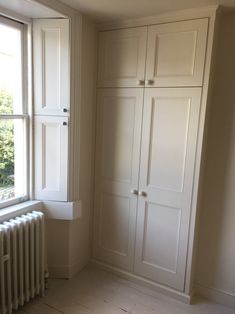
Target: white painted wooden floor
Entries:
(97, 291)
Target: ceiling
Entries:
(107, 10)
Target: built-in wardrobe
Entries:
(152, 91)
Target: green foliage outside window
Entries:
(6, 141)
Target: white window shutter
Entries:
(51, 108)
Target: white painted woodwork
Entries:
(170, 163)
(122, 57)
(117, 171)
(51, 158)
(51, 66)
(111, 14)
(169, 138)
(62, 210)
(176, 53)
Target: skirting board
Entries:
(154, 289)
(218, 296)
(65, 271)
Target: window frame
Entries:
(26, 116)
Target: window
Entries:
(13, 114)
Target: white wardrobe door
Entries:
(122, 56)
(176, 53)
(51, 66)
(51, 158)
(117, 170)
(168, 150)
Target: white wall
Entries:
(215, 267)
(80, 231)
(57, 239)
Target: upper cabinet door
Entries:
(122, 55)
(51, 66)
(176, 54)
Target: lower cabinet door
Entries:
(51, 158)
(169, 138)
(117, 169)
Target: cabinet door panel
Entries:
(169, 136)
(122, 57)
(162, 223)
(176, 53)
(51, 158)
(51, 66)
(117, 167)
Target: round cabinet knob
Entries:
(134, 191)
(140, 82)
(142, 193)
(65, 123)
(65, 110)
(149, 82)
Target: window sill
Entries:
(53, 210)
(19, 209)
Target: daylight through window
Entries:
(13, 114)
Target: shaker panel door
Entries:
(169, 138)
(117, 172)
(122, 56)
(176, 54)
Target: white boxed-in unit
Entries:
(151, 103)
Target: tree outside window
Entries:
(6, 148)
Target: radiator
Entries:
(22, 260)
